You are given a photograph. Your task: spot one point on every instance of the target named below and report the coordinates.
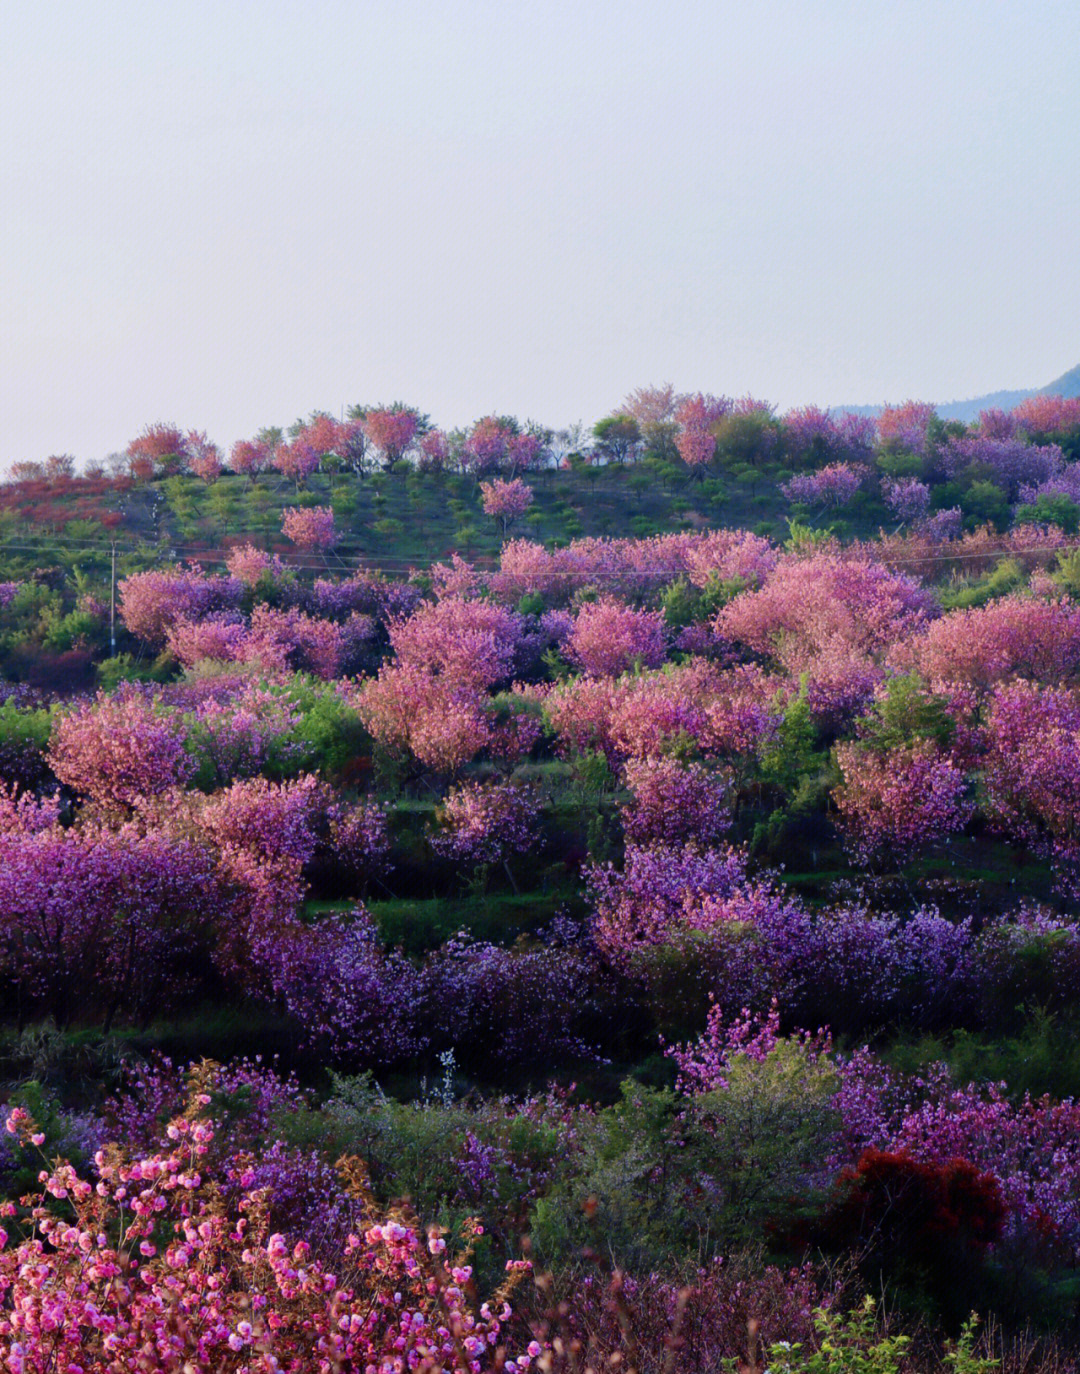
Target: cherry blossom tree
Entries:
(311, 528)
(506, 501)
(392, 431)
(901, 799)
(609, 637)
(296, 461)
(248, 459)
(204, 457)
(209, 1283)
(118, 749)
(157, 451)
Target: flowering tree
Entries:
(310, 528)
(653, 408)
(1032, 769)
(470, 643)
(434, 453)
(900, 799)
(485, 823)
(506, 501)
(408, 709)
(609, 637)
(824, 604)
(151, 601)
(664, 889)
(158, 450)
(997, 424)
(360, 838)
(833, 485)
(148, 1259)
(391, 431)
(118, 749)
(905, 426)
(204, 457)
(487, 445)
(290, 639)
(1015, 636)
(672, 803)
(251, 566)
(696, 417)
(264, 833)
(1041, 416)
(322, 434)
(248, 459)
(906, 497)
(296, 461)
(1011, 462)
(814, 437)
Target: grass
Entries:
(418, 925)
(394, 520)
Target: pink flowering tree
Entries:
(524, 453)
(311, 528)
(672, 803)
(481, 824)
(290, 639)
(653, 408)
(1031, 774)
(434, 455)
(264, 834)
(487, 444)
(296, 461)
(471, 643)
(322, 434)
(159, 450)
(814, 437)
(204, 457)
(151, 601)
(905, 426)
(896, 801)
(697, 416)
(609, 637)
(409, 710)
(392, 431)
(1043, 416)
(118, 749)
(506, 501)
(252, 566)
(148, 1257)
(825, 608)
(248, 459)
(1014, 636)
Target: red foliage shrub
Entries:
(901, 1208)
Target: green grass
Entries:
(397, 519)
(420, 925)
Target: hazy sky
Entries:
(228, 214)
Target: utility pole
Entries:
(112, 605)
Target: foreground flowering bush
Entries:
(147, 1269)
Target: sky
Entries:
(228, 214)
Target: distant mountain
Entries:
(1068, 384)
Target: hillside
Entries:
(1068, 384)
